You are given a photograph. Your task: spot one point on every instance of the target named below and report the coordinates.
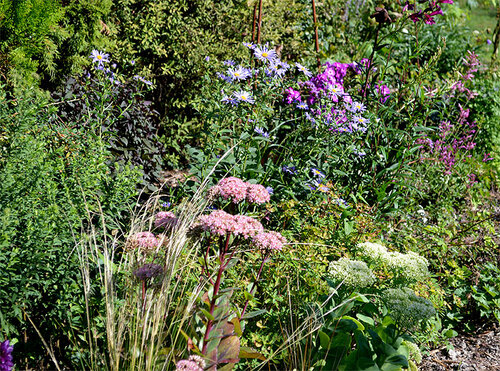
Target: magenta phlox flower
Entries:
(269, 241)
(292, 95)
(247, 227)
(165, 219)
(257, 194)
(6, 359)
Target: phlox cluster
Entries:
(352, 273)
(237, 190)
(426, 15)
(6, 359)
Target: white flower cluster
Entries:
(406, 308)
(414, 351)
(410, 267)
(372, 251)
(353, 273)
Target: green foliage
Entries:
(55, 179)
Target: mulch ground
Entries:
(470, 352)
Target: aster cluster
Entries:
(406, 308)
(193, 363)
(427, 15)
(237, 190)
(324, 98)
(6, 359)
(318, 183)
(353, 273)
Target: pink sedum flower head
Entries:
(247, 227)
(231, 188)
(146, 239)
(257, 194)
(218, 222)
(269, 241)
(165, 219)
(188, 365)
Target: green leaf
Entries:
(250, 353)
(359, 324)
(365, 319)
(207, 314)
(324, 340)
(255, 313)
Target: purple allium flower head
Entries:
(239, 73)
(6, 359)
(244, 96)
(147, 271)
(261, 131)
(301, 68)
(99, 57)
(269, 241)
(264, 54)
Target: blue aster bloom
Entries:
(261, 131)
(264, 54)
(318, 173)
(303, 69)
(229, 100)
(229, 62)
(302, 105)
(358, 107)
(244, 96)
(269, 190)
(99, 57)
(239, 73)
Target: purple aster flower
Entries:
(229, 100)
(358, 107)
(166, 204)
(310, 118)
(249, 45)
(289, 170)
(99, 57)
(239, 73)
(244, 96)
(303, 69)
(323, 188)
(261, 131)
(264, 54)
(302, 105)
(207, 59)
(359, 153)
(270, 190)
(488, 41)
(229, 62)
(142, 79)
(275, 69)
(224, 77)
(6, 359)
(318, 173)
